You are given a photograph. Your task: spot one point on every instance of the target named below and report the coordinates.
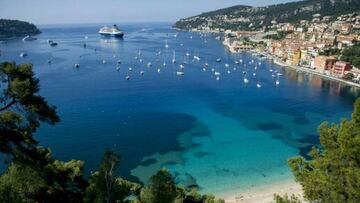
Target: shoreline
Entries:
(263, 193)
(298, 68)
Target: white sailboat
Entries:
(174, 57)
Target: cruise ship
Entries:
(113, 31)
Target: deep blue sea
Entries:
(217, 133)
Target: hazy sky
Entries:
(94, 11)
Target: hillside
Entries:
(16, 28)
(252, 18)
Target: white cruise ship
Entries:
(113, 31)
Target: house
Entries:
(323, 63)
(340, 67)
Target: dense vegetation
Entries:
(352, 54)
(333, 173)
(16, 28)
(257, 17)
(34, 176)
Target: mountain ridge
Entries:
(242, 17)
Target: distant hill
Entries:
(17, 28)
(251, 18)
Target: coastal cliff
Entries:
(16, 28)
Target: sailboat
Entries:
(246, 80)
(174, 57)
(258, 85)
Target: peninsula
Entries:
(16, 28)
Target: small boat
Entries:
(49, 61)
(226, 65)
(187, 54)
(166, 44)
(217, 78)
(119, 62)
(158, 70)
(196, 58)
(258, 85)
(142, 72)
(164, 64)
(118, 68)
(180, 73)
(217, 73)
(77, 65)
(52, 43)
(149, 64)
(228, 72)
(213, 70)
(246, 80)
(103, 61)
(277, 82)
(206, 65)
(127, 77)
(182, 66)
(236, 62)
(174, 58)
(23, 54)
(130, 68)
(254, 74)
(28, 38)
(113, 31)
(204, 69)
(218, 60)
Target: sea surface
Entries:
(217, 134)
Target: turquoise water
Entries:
(220, 135)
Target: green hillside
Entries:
(252, 18)
(16, 28)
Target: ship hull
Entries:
(117, 35)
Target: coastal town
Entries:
(315, 45)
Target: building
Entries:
(293, 57)
(339, 68)
(323, 63)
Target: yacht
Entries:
(113, 31)
(180, 73)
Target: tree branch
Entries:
(8, 105)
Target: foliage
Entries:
(349, 76)
(55, 181)
(333, 173)
(21, 109)
(161, 189)
(352, 54)
(330, 51)
(259, 17)
(105, 186)
(17, 28)
(286, 199)
(279, 35)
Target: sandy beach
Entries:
(264, 193)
